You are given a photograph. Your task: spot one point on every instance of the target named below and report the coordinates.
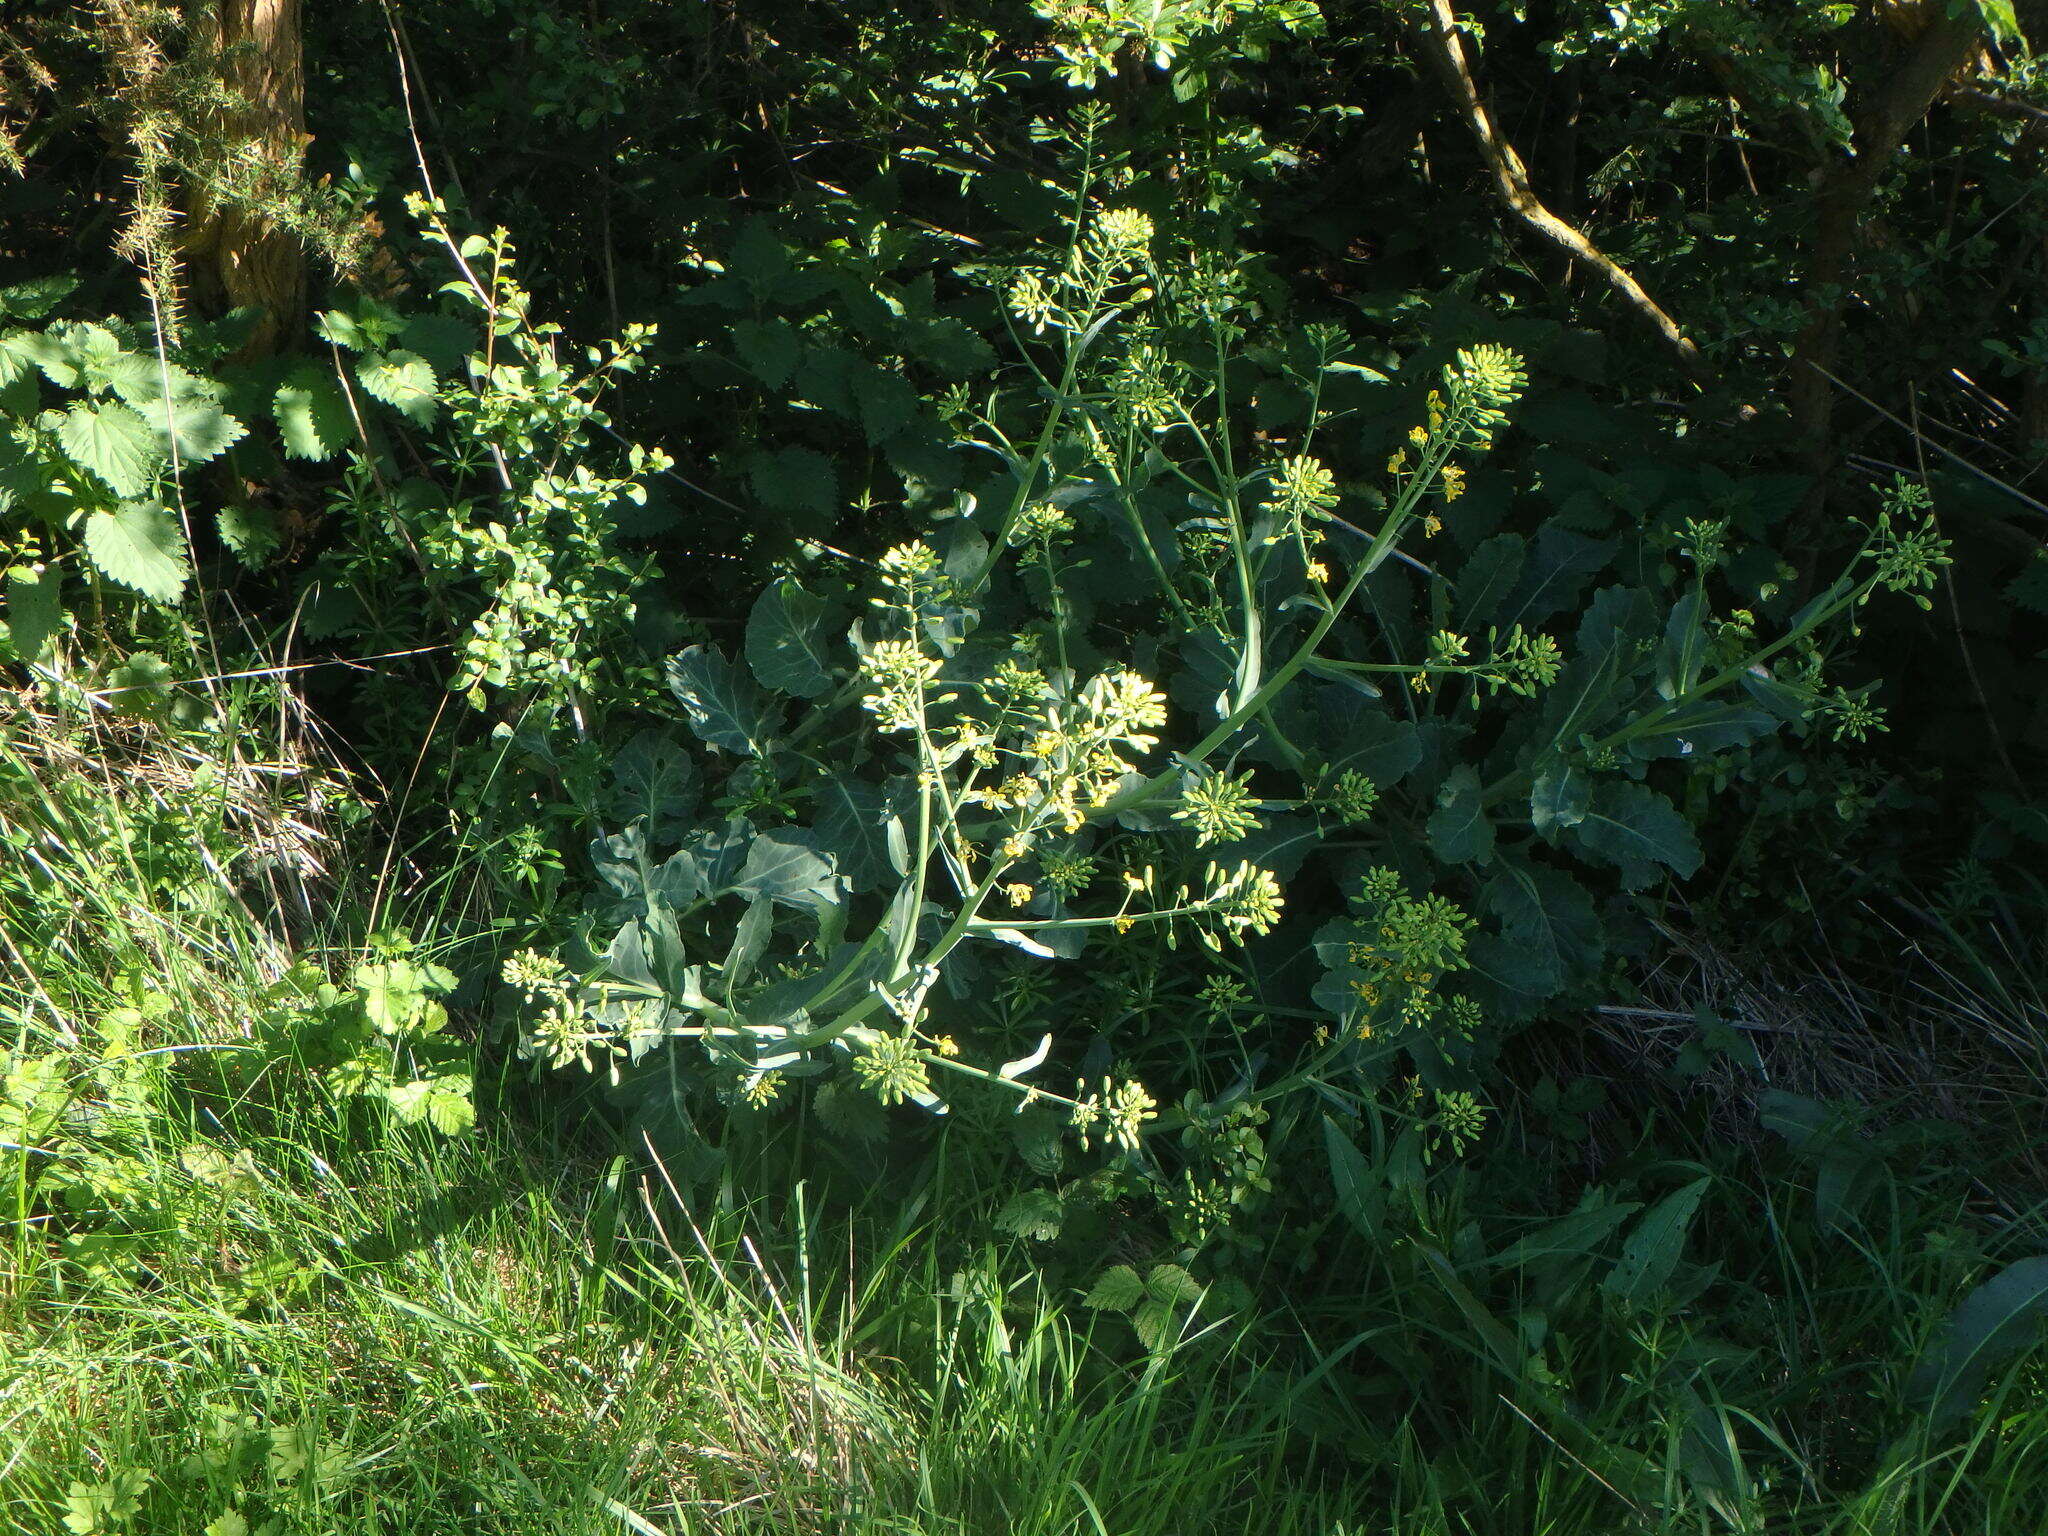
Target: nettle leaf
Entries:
(1636, 829)
(403, 380)
(852, 826)
(1988, 1327)
(769, 348)
(1459, 832)
(722, 703)
(19, 391)
(1116, 1289)
(114, 442)
(794, 480)
(141, 547)
(194, 424)
(445, 341)
(251, 531)
(313, 416)
(35, 609)
(886, 402)
(787, 641)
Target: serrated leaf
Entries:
(1636, 829)
(445, 341)
(139, 684)
(313, 416)
(1116, 1289)
(194, 424)
(113, 442)
(794, 480)
(141, 547)
(229, 1523)
(251, 531)
(35, 609)
(442, 1102)
(403, 380)
(1988, 1327)
(1459, 832)
(20, 391)
(786, 641)
(1032, 1213)
(1172, 1286)
(722, 703)
(769, 348)
(1156, 1326)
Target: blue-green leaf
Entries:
(1459, 832)
(787, 643)
(721, 702)
(1636, 829)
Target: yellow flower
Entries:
(1017, 893)
(1317, 571)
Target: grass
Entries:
(234, 1302)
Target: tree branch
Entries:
(1437, 29)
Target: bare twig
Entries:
(1437, 28)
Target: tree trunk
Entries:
(240, 256)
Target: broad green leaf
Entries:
(654, 777)
(141, 547)
(1650, 1255)
(112, 441)
(1989, 1326)
(1489, 575)
(852, 826)
(35, 298)
(1547, 914)
(1701, 727)
(1360, 1199)
(1032, 1213)
(1156, 1326)
(769, 348)
(1116, 1289)
(1637, 830)
(1559, 798)
(139, 684)
(402, 380)
(194, 425)
(1684, 650)
(785, 864)
(445, 341)
(1459, 832)
(251, 531)
(35, 609)
(19, 390)
(722, 703)
(787, 644)
(1172, 1286)
(445, 1103)
(1575, 1236)
(313, 415)
(794, 480)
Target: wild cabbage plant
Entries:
(1178, 776)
